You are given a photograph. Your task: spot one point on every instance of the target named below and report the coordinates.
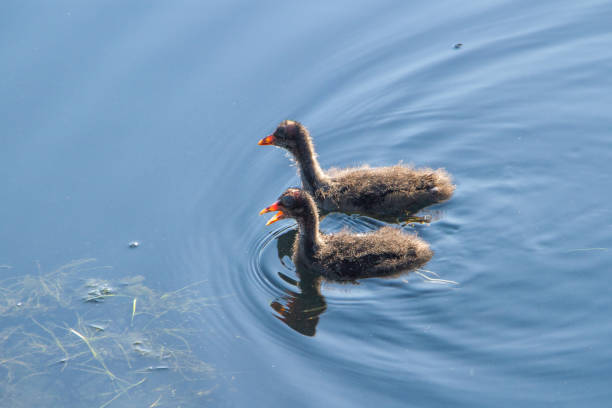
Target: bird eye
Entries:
(287, 201)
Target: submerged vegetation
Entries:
(77, 336)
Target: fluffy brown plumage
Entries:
(347, 256)
(383, 192)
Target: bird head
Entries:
(291, 204)
(287, 135)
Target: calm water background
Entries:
(140, 121)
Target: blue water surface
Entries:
(139, 120)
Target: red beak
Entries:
(268, 140)
(274, 207)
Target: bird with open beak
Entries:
(346, 255)
(277, 206)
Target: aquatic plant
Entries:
(84, 336)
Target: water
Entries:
(140, 121)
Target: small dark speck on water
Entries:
(457, 46)
(134, 244)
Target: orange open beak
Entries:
(268, 140)
(274, 207)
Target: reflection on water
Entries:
(301, 309)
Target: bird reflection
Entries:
(344, 256)
(300, 309)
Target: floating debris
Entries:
(157, 368)
(97, 327)
(99, 290)
(139, 348)
(133, 312)
(134, 244)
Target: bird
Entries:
(380, 192)
(346, 256)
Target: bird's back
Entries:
(346, 256)
(387, 191)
